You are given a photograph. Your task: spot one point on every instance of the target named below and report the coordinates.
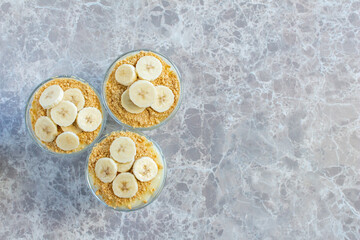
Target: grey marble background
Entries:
(266, 144)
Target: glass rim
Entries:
(28, 120)
(158, 190)
(168, 118)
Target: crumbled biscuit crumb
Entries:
(148, 117)
(91, 100)
(144, 148)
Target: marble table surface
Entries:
(266, 144)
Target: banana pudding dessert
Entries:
(125, 170)
(66, 115)
(142, 90)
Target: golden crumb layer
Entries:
(148, 117)
(91, 100)
(144, 148)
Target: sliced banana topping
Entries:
(123, 150)
(105, 169)
(125, 74)
(142, 93)
(75, 96)
(51, 96)
(125, 185)
(148, 68)
(67, 141)
(145, 169)
(45, 129)
(164, 99)
(124, 167)
(64, 114)
(89, 119)
(72, 128)
(128, 104)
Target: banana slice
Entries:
(75, 96)
(148, 68)
(125, 185)
(45, 129)
(89, 119)
(128, 104)
(164, 99)
(145, 169)
(105, 169)
(125, 74)
(67, 141)
(142, 93)
(64, 114)
(51, 96)
(72, 128)
(123, 150)
(124, 167)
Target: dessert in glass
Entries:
(64, 115)
(126, 170)
(142, 89)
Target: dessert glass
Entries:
(28, 116)
(173, 68)
(138, 204)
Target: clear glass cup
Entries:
(173, 67)
(31, 130)
(154, 196)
